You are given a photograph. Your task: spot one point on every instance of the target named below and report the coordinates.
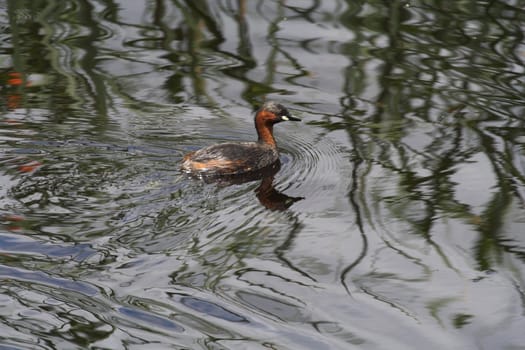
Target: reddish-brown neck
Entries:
(264, 125)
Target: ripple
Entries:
(211, 309)
(143, 318)
(11, 244)
(311, 163)
(12, 273)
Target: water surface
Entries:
(395, 221)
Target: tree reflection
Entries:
(411, 96)
(430, 90)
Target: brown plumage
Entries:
(242, 157)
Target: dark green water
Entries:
(397, 219)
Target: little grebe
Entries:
(242, 157)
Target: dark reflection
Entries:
(273, 199)
(269, 197)
(448, 101)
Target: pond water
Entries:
(396, 220)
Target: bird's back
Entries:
(231, 158)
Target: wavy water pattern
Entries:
(397, 208)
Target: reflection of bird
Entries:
(273, 199)
(266, 192)
(241, 157)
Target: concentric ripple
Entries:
(312, 163)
